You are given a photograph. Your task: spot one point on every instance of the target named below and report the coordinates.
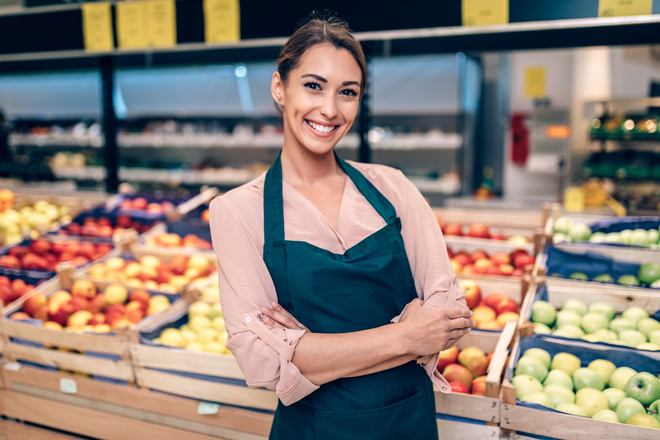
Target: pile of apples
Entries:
(104, 226)
(11, 290)
(142, 204)
(150, 272)
(566, 230)
(478, 230)
(205, 330)
(31, 221)
(597, 323)
(479, 262)
(465, 369)
(170, 239)
(491, 312)
(43, 254)
(600, 390)
(84, 308)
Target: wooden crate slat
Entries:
(22, 431)
(115, 369)
(568, 427)
(486, 409)
(456, 430)
(110, 344)
(237, 419)
(206, 390)
(186, 360)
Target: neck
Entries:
(303, 167)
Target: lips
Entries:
(321, 128)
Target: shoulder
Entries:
(242, 203)
(390, 181)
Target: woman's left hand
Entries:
(278, 317)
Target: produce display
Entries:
(86, 309)
(204, 330)
(465, 369)
(497, 263)
(174, 240)
(598, 322)
(567, 230)
(647, 275)
(491, 312)
(13, 289)
(44, 254)
(104, 226)
(478, 230)
(142, 204)
(150, 272)
(29, 221)
(599, 390)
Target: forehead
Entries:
(330, 62)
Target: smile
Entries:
(321, 128)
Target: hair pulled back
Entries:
(321, 28)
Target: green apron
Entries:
(331, 293)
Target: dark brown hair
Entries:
(321, 28)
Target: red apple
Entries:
(478, 255)
(479, 386)
(79, 303)
(447, 357)
(459, 387)
(462, 258)
(506, 269)
(33, 302)
(522, 260)
(41, 313)
(82, 287)
(474, 359)
(500, 258)
(40, 246)
(497, 236)
(453, 229)
(458, 373)
(478, 230)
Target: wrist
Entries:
(399, 343)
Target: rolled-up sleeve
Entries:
(263, 353)
(435, 280)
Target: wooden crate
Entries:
(99, 354)
(110, 411)
(516, 421)
(217, 377)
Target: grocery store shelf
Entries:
(55, 140)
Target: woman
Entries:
(335, 282)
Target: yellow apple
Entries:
(79, 319)
(115, 294)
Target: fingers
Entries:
(461, 323)
(458, 313)
(281, 317)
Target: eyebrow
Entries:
(323, 80)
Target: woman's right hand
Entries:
(428, 330)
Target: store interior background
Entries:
(443, 118)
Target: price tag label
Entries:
(484, 12)
(161, 23)
(97, 26)
(13, 366)
(132, 23)
(622, 8)
(574, 199)
(208, 408)
(222, 21)
(535, 82)
(68, 386)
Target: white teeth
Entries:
(321, 128)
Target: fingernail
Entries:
(264, 310)
(274, 303)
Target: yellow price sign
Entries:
(161, 23)
(97, 26)
(535, 81)
(621, 8)
(222, 21)
(132, 25)
(484, 12)
(574, 199)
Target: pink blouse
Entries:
(263, 353)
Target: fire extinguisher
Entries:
(519, 139)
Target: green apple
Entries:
(603, 308)
(581, 232)
(543, 312)
(628, 280)
(631, 338)
(606, 415)
(592, 321)
(614, 395)
(531, 366)
(639, 237)
(607, 335)
(559, 394)
(591, 400)
(562, 224)
(581, 276)
(541, 329)
(525, 384)
(644, 387)
(635, 314)
(571, 408)
(566, 362)
(559, 377)
(603, 367)
(643, 420)
(587, 378)
(613, 237)
(649, 273)
(654, 337)
(627, 408)
(625, 236)
(565, 317)
(540, 397)
(654, 236)
(597, 237)
(560, 237)
(604, 278)
(569, 331)
(539, 354)
(620, 377)
(654, 410)
(618, 324)
(576, 305)
(647, 325)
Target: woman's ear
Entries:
(276, 88)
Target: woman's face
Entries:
(319, 99)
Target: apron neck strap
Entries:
(274, 206)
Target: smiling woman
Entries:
(335, 283)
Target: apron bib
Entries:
(360, 289)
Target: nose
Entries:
(329, 106)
